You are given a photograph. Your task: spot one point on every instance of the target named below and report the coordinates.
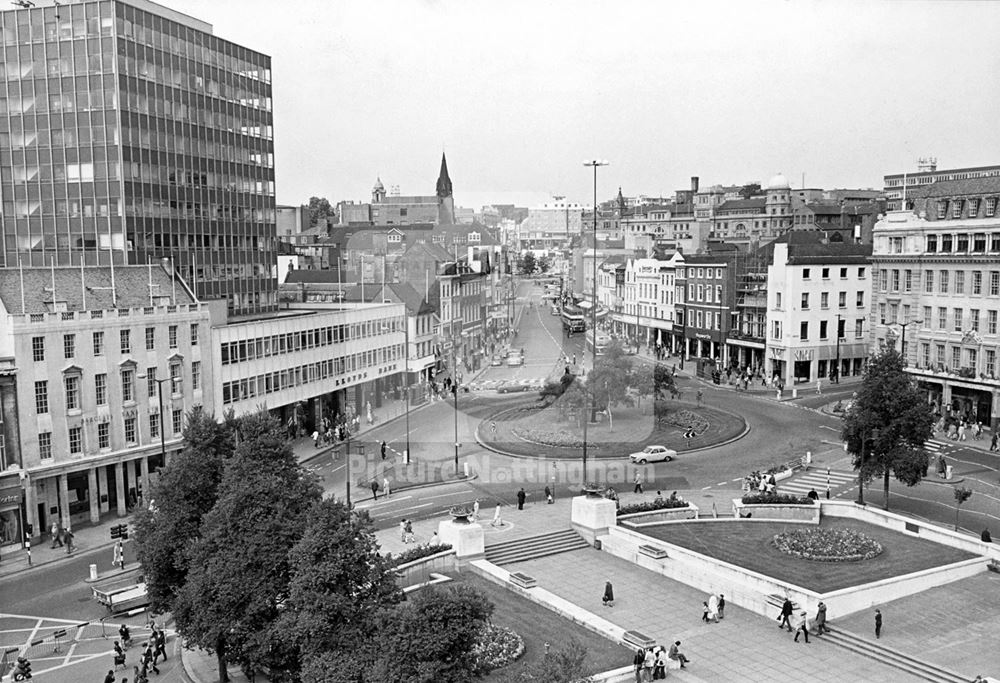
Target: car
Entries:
(511, 388)
(496, 361)
(555, 310)
(514, 360)
(653, 454)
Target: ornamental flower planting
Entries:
(828, 545)
(775, 499)
(652, 505)
(498, 646)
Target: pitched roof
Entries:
(448, 233)
(132, 287)
(742, 204)
(951, 188)
(327, 276)
(430, 250)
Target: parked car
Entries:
(511, 388)
(555, 310)
(653, 454)
(496, 361)
(515, 360)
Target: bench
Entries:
(637, 639)
(653, 551)
(523, 580)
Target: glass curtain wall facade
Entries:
(128, 132)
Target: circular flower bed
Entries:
(498, 646)
(688, 419)
(828, 545)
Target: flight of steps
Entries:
(886, 655)
(551, 543)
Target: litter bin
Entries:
(947, 471)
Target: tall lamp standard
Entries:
(592, 163)
(159, 397)
(902, 343)
(836, 373)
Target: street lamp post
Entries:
(902, 343)
(159, 397)
(592, 163)
(406, 384)
(836, 374)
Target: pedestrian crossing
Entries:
(817, 480)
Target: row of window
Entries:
(72, 387)
(130, 431)
(946, 284)
(965, 208)
(961, 243)
(956, 360)
(824, 300)
(273, 382)
(825, 273)
(824, 329)
(292, 342)
(959, 321)
(125, 342)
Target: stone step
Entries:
(564, 540)
(894, 658)
(565, 532)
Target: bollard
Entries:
(406, 457)
(465, 466)
(93, 572)
(809, 457)
(795, 393)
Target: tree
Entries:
(544, 264)
(611, 378)
(239, 569)
(528, 264)
(663, 387)
(564, 664)
(962, 494)
(185, 491)
(553, 389)
(319, 207)
(889, 422)
(338, 585)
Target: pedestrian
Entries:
(161, 643)
(402, 530)
(637, 661)
(68, 535)
(548, 496)
(56, 536)
(148, 660)
(819, 392)
(878, 623)
(986, 537)
(704, 611)
(497, 519)
(995, 441)
(119, 656)
(648, 662)
(385, 486)
(408, 532)
(802, 626)
(722, 606)
(812, 495)
(676, 654)
(110, 678)
(521, 495)
(961, 430)
(316, 438)
(821, 619)
(383, 450)
(374, 490)
(638, 483)
(660, 666)
(942, 466)
(713, 608)
(786, 614)
(609, 595)
(493, 429)
(475, 510)
(699, 396)
(435, 540)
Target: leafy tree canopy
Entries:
(563, 664)
(319, 207)
(528, 264)
(612, 377)
(544, 263)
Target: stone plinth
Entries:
(466, 539)
(592, 517)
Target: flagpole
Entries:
(173, 280)
(52, 264)
(149, 269)
(20, 270)
(83, 283)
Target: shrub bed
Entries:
(775, 499)
(650, 506)
(498, 646)
(420, 552)
(828, 545)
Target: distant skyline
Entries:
(519, 93)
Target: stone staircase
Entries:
(886, 655)
(551, 543)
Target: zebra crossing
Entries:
(817, 479)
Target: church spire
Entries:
(444, 182)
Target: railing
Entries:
(60, 316)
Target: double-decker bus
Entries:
(603, 340)
(574, 318)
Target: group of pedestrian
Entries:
(406, 531)
(651, 663)
(713, 609)
(761, 483)
(62, 537)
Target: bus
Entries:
(573, 318)
(603, 340)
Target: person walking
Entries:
(722, 606)
(713, 608)
(56, 536)
(609, 595)
(315, 438)
(385, 486)
(676, 654)
(161, 644)
(497, 519)
(475, 510)
(637, 661)
(638, 483)
(382, 448)
(648, 662)
(699, 396)
(548, 496)
(704, 611)
(878, 623)
(819, 387)
(820, 621)
(408, 532)
(802, 627)
(786, 614)
(68, 535)
(521, 495)
(374, 490)
(402, 530)
(995, 442)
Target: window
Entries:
(942, 318)
(805, 301)
(824, 300)
(194, 334)
(75, 440)
(927, 317)
(172, 336)
(804, 330)
(195, 375)
(962, 244)
(842, 300)
(154, 425)
(151, 382)
(991, 361)
(177, 419)
(69, 346)
(946, 241)
(826, 273)
(883, 279)
(126, 341)
(959, 282)
(991, 206)
(104, 435)
(130, 432)
(777, 300)
(974, 319)
(41, 397)
(932, 243)
(958, 320)
(859, 328)
(101, 389)
(701, 292)
(45, 445)
(176, 383)
(943, 285)
(929, 281)
(128, 384)
(907, 280)
(942, 209)
(841, 324)
(956, 357)
(979, 242)
(956, 208)
(99, 343)
(805, 273)
(859, 299)
(991, 322)
(977, 282)
(973, 207)
(895, 245)
(939, 353)
(701, 272)
(822, 329)
(718, 294)
(150, 338)
(994, 283)
(71, 384)
(699, 319)
(38, 349)
(861, 273)
(895, 280)
(776, 329)
(925, 354)
(893, 313)
(843, 273)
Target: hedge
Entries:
(775, 499)
(650, 506)
(417, 553)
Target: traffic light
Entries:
(124, 532)
(119, 531)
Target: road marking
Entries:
(443, 495)
(832, 429)
(722, 483)
(705, 488)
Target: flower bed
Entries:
(650, 506)
(775, 499)
(498, 646)
(417, 553)
(828, 545)
(687, 420)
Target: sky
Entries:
(519, 93)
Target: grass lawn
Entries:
(537, 625)
(748, 545)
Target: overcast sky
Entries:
(519, 93)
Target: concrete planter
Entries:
(808, 514)
(417, 570)
(639, 519)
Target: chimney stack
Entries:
(694, 183)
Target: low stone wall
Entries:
(419, 570)
(808, 514)
(640, 519)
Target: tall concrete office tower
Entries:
(129, 133)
